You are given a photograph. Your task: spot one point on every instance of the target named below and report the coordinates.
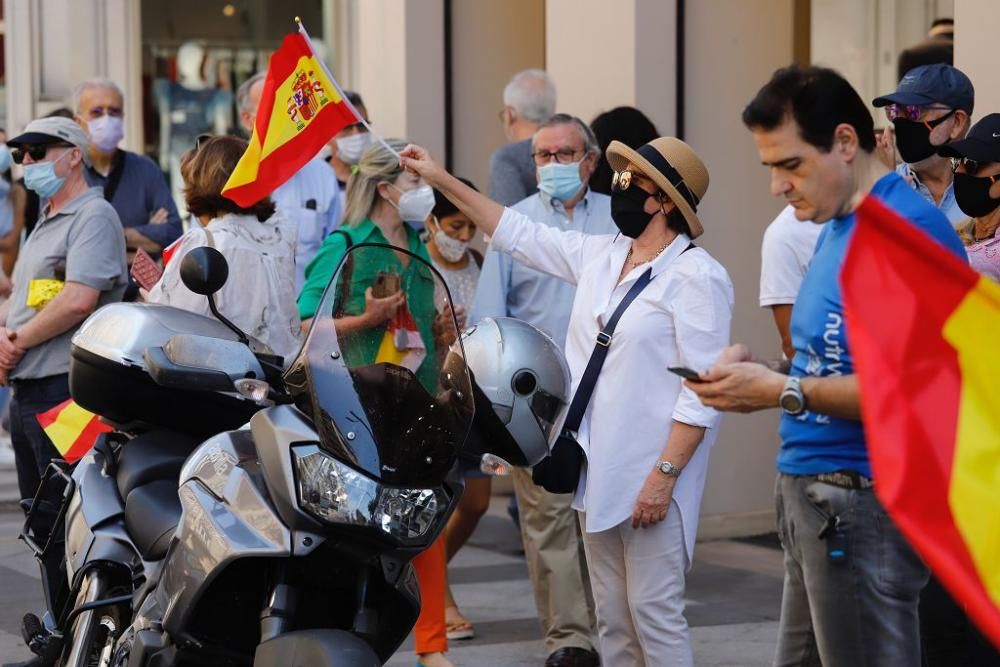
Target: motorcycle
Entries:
(240, 514)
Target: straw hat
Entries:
(673, 166)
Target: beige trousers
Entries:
(638, 576)
(553, 549)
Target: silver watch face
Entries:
(668, 468)
(791, 402)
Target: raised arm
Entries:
(481, 209)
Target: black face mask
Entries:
(973, 195)
(913, 138)
(627, 211)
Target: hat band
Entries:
(655, 158)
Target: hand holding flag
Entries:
(301, 108)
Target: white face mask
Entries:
(452, 249)
(349, 149)
(415, 205)
(106, 133)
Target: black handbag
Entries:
(559, 472)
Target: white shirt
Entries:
(311, 199)
(785, 254)
(681, 318)
(259, 296)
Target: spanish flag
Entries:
(71, 429)
(401, 344)
(300, 110)
(923, 329)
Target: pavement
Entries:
(733, 595)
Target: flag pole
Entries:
(340, 91)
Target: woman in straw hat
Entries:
(646, 438)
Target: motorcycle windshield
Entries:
(375, 373)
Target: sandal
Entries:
(460, 628)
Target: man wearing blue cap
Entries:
(931, 107)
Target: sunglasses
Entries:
(971, 166)
(37, 152)
(201, 140)
(913, 112)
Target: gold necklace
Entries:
(628, 257)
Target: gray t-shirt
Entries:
(512, 173)
(82, 243)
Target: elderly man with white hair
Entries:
(528, 100)
(311, 198)
(133, 184)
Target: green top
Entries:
(417, 281)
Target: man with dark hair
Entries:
(851, 581)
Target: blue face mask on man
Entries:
(41, 178)
(560, 181)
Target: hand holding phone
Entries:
(386, 284)
(145, 271)
(686, 373)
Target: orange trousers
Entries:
(430, 633)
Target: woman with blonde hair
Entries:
(258, 244)
(381, 200)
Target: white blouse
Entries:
(259, 296)
(681, 318)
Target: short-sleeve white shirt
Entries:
(785, 255)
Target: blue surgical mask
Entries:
(560, 181)
(40, 177)
(4, 158)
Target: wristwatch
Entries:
(668, 469)
(792, 401)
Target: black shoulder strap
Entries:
(115, 177)
(347, 237)
(581, 399)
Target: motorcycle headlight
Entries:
(333, 491)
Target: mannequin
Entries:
(188, 107)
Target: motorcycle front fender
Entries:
(316, 648)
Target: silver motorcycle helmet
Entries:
(522, 374)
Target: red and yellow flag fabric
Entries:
(402, 344)
(300, 110)
(923, 328)
(71, 429)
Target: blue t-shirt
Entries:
(813, 443)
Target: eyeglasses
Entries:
(97, 112)
(971, 166)
(562, 156)
(913, 112)
(621, 181)
(37, 152)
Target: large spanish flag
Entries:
(71, 429)
(300, 110)
(923, 328)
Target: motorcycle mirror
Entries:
(204, 271)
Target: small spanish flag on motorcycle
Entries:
(301, 108)
(71, 429)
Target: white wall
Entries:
(607, 54)
(51, 45)
(491, 41)
(976, 24)
(397, 65)
(732, 50)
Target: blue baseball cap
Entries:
(932, 84)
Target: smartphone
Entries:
(145, 271)
(386, 284)
(686, 373)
